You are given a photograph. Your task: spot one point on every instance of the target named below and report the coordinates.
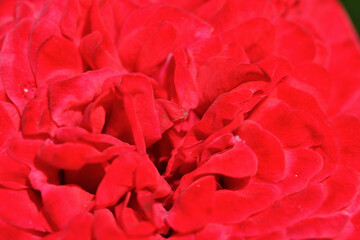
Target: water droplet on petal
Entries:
(238, 139)
(28, 90)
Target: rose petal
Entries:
(278, 235)
(140, 89)
(188, 26)
(234, 12)
(294, 42)
(36, 118)
(118, 180)
(62, 203)
(79, 227)
(105, 226)
(46, 26)
(184, 81)
(235, 206)
(237, 162)
(269, 152)
(220, 75)
(69, 156)
(31, 217)
(293, 128)
(348, 130)
(343, 180)
(153, 51)
(318, 227)
(15, 70)
(68, 97)
(9, 117)
(57, 57)
(13, 174)
(9, 232)
(193, 208)
(95, 55)
(216, 231)
(302, 165)
(256, 36)
(285, 212)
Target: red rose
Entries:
(139, 119)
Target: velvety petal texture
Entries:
(179, 119)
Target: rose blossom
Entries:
(190, 119)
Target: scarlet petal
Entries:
(285, 212)
(153, 51)
(105, 226)
(13, 174)
(36, 118)
(238, 162)
(31, 217)
(69, 156)
(140, 89)
(15, 70)
(70, 20)
(95, 55)
(184, 82)
(313, 116)
(88, 177)
(235, 206)
(79, 227)
(268, 149)
(101, 19)
(193, 207)
(168, 113)
(223, 111)
(277, 235)
(69, 96)
(346, 76)
(229, 14)
(148, 177)
(57, 57)
(302, 166)
(314, 79)
(348, 130)
(216, 231)
(62, 203)
(344, 180)
(9, 232)
(292, 127)
(294, 42)
(132, 222)
(9, 117)
(117, 181)
(77, 134)
(201, 51)
(222, 74)
(189, 27)
(256, 36)
(276, 67)
(318, 227)
(46, 26)
(24, 150)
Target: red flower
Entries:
(218, 119)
